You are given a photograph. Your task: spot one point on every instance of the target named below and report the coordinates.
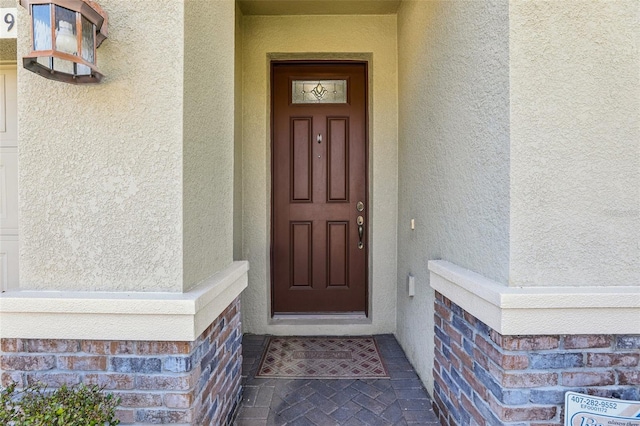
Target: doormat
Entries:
(322, 358)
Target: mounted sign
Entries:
(8, 22)
(587, 410)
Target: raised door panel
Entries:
(8, 191)
(301, 254)
(8, 107)
(338, 159)
(301, 181)
(8, 262)
(338, 254)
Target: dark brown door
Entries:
(319, 187)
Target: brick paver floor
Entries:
(402, 400)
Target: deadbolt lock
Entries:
(359, 206)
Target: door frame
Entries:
(10, 237)
(339, 61)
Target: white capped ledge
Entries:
(121, 315)
(539, 310)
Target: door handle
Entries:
(360, 222)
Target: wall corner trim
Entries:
(538, 310)
(121, 315)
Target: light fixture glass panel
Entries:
(66, 40)
(61, 65)
(82, 70)
(319, 92)
(45, 61)
(88, 36)
(41, 26)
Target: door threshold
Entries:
(320, 318)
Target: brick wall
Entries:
(484, 378)
(158, 382)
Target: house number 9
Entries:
(10, 20)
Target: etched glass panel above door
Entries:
(319, 92)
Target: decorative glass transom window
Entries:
(319, 92)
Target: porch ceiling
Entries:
(319, 7)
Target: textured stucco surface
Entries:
(101, 166)
(575, 130)
(128, 185)
(453, 153)
(8, 49)
(322, 35)
(319, 7)
(208, 137)
(237, 156)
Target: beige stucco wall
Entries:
(528, 166)
(324, 36)
(575, 137)
(453, 153)
(208, 137)
(128, 185)
(8, 50)
(237, 158)
(101, 166)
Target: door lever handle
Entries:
(360, 222)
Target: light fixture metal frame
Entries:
(88, 9)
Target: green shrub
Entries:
(69, 406)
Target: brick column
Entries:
(158, 382)
(484, 378)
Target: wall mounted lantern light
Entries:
(64, 37)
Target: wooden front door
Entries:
(319, 187)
